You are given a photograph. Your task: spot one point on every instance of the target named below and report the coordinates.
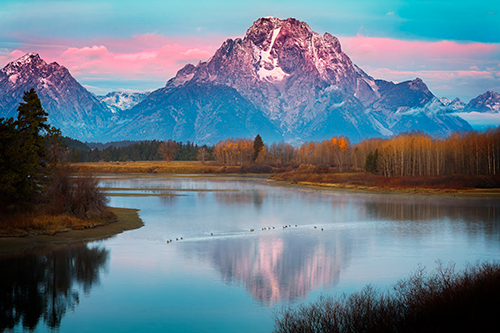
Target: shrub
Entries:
(87, 199)
(445, 301)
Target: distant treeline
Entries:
(133, 151)
(408, 154)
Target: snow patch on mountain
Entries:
(120, 100)
(269, 69)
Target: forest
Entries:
(36, 185)
(409, 154)
(147, 150)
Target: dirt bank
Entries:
(128, 219)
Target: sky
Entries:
(109, 45)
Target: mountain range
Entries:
(281, 80)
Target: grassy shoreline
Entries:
(150, 167)
(127, 219)
(479, 193)
(354, 182)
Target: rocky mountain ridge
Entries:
(281, 80)
(71, 107)
(488, 102)
(303, 84)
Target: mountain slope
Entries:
(71, 107)
(196, 113)
(302, 83)
(409, 106)
(281, 80)
(487, 102)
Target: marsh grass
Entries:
(163, 167)
(323, 175)
(173, 167)
(444, 301)
(20, 224)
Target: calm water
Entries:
(234, 280)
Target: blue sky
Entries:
(454, 46)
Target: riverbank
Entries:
(495, 193)
(459, 185)
(127, 219)
(163, 167)
(311, 177)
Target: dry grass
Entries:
(173, 167)
(23, 224)
(364, 181)
(127, 219)
(163, 167)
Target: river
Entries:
(196, 266)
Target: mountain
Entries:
(118, 101)
(284, 81)
(488, 102)
(71, 107)
(281, 80)
(409, 106)
(453, 106)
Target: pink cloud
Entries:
(449, 67)
(400, 75)
(138, 57)
(386, 50)
(161, 62)
(158, 59)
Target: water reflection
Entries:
(41, 287)
(254, 196)
(275, 269)
(402, 209)
(465, 216)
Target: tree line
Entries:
(138, 151)
(418, 154)
(335, 151)
(408, 154)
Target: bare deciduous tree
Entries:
(168, 149)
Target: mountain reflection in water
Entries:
(41, 287)
(275, 269)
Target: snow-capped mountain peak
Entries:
(70, 106)
(287, 46)
(452, 106)
(28, 61)
(287, 78)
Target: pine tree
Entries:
(258, 145)
(10, 163)
(371, 162)
(23, 151)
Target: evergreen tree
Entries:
(258, 145)
(10, 163)
(371, 162)
(31, 124)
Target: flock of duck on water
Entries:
(251, 230)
